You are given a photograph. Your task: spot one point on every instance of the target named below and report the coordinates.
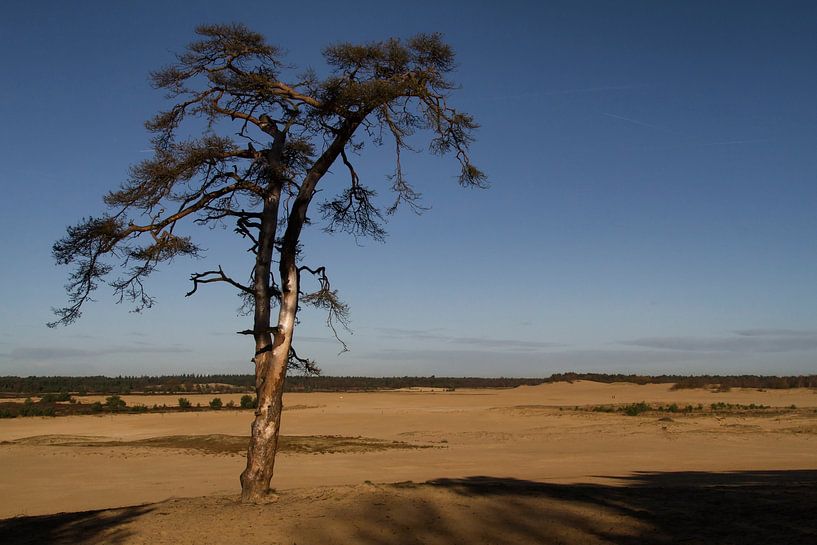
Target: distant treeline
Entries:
(208, 384)
(175, 384)
(699, 381)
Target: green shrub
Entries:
(97, 407)
(30, 409)
(184, 403)
(215, 403)
(635, 409)
(115, 403)
(248, 402)
(139, 408)
(5, 413)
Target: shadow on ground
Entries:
(743, 508)
(104, 526)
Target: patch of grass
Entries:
(232, 444)
(604, 409)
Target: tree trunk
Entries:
(255, 479)
(271, 368)
(272, 351)
(271, 356)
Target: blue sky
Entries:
(652, 206)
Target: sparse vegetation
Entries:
(232, 444)
(720, 383)
(54, 398)
(184, 403)
(115, 403)
(635, 409)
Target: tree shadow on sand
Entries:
(102, 526)
(732, 508)
(746, 508)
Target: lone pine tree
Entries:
(265, 147)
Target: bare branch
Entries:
(305, 365)
(208, 277)
(272, 330)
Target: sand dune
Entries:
(554, 464)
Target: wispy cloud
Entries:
(760, 332)
(489, 343)
(482, 362)
(638, 122)
(735, 142)
(744, 341)
(309, 339)
(34, 353)
(695, 141)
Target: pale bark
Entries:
(272, 346)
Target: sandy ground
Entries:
(500, 466)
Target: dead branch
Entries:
(209, 277)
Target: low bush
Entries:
(635, 409)
(216, 403)
(115, 403)
(184, 403)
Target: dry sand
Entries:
(500, 466)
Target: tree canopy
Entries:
(231, 75)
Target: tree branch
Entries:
(327, 299)
(208, 277)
